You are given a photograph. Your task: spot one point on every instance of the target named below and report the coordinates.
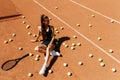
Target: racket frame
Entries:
(17, 60)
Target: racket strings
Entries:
(9, 64)
(12, 63)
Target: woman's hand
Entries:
(49, 45)
(34, 41)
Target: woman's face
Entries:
(46, 22)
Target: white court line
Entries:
(100, 48)
(89, 9)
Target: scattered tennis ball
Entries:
(90, 25)
(10, 40)
(74, 36)
(28, 26)
(79, 44)
(73, 44)
(111, 51)
(24, 22)
(29, 33)
(65, 64)
(93, 16)
(37, 56)
(56, 7)
(36, 59)
(99, 38)
(69, 74)
(50, 71)
(22, 17)
(20, 48)
(34, 35)
(112, 21)
(30, 74)
(114, 70)
(13, 35)
(100, 60)
(61, 28)
(5, 42)
(56, 42)
(80, 63)
(30, 54)
(57, 32)
(66, 45)
(50, 18)
(72, 48)
(102, 64)
(78, 25)
(56, 29)
(90, 55)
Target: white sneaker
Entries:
(54, 53)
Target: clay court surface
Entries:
(67, 15)
(8, 9)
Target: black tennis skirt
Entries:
(46, 42)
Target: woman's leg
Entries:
(50, 48)
(41, 49)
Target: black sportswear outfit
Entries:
(48, 37)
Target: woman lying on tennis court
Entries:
(48, 35)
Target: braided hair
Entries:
(43, 17)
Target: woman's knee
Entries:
(36, 48)
(52, 47)
(40, 49)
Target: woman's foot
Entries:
(54, 53)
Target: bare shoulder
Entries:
(39, 28)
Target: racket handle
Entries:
(24, 56)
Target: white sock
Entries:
(36, 48)
(54, 53)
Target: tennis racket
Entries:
(9, 64)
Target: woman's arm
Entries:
(39, 34)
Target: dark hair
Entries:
(43, 17)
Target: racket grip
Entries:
(24, 56)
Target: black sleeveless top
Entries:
(47, 36)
